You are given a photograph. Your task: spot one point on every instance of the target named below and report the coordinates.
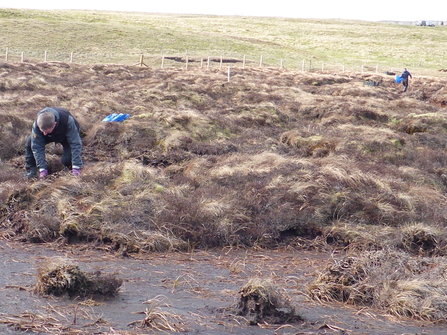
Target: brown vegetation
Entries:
(271, 158)
(390, 281)
(263, 302)
(57, 276)
(306, 151)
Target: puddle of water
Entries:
(193, 287)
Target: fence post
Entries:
(304, 65)
(260, 62)
(6, 56)
(208, 63)
(362, 68)
(23, 57)
(163, 61)
(228, 74)
(186, 61)
(281, 66)
(71, 58)
(141, 62)
(343, 69)
(377, 68)
(201, 63)
(221, 61)
(45, 57)
(243, 63)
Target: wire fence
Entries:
(187, 61)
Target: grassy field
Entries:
(117, 37)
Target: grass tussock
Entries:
(389, 281)
(262, 301)
(58, 276)
(415, 239)
(420, 239)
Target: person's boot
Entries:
(31, 172)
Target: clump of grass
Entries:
(60, 276)
(316, 145)
(423, 240)
(353, 236)
(389, 281)
(413, 238)
(440, 98)
(160, 320)
(262, 301)
(157, 318)
(13, 132)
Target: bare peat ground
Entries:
(195, 290)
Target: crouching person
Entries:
(53, 125)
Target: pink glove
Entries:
(43, 174)
(76, 172)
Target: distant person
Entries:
(57, 125)
(405, 74)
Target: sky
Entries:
(376, 10)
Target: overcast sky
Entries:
(376, 10)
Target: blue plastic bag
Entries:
(109, 117)
(116, 117)
(120, 117)
(398, 79)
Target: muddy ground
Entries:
(196, 289)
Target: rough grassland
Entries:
(308, 152)
(272, 158)
(275, 157)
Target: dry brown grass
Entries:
(158, 318)
(59, 276)
(70, 319)
(261, 301)
(274, 158)
(270, 158)
(424, 240)
(392, 282)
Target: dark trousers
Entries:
(31, 161)
(405, 84)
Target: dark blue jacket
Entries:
(67, 129)
(405, 75)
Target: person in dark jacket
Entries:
(53, 124)
(405, 75)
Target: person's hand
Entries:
(76, 172)
(43, 174)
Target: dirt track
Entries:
(197, 288)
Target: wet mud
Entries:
(193, 293)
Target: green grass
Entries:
(118, 37)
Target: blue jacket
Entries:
(67, 129)
(405, 74)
